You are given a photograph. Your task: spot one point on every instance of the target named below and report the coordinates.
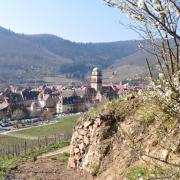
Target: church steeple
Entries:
(96, 79)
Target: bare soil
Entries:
(50, 166)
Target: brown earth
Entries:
(49, 168)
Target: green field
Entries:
(65, 126)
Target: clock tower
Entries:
(96, 79)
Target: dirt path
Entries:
(49, 166)
(59, 151)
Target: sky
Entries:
(75, 20)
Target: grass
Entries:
(94, 169)
(116, 102)
(45, 149)
(65, 125)
(167, 172)
(147, 113)
(62, 157)
(5, 164)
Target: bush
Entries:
(167, 94)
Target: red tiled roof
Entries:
(4, 105)
(120, 86)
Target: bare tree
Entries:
(157, 22)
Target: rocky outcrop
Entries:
(91, 141)
(127, 140)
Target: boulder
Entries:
(82, 132)
(72, 162)
(76, 150)
(80, 137)
(87, 124)
(98, 121)
(81, 146)
(86, 140)
(91, 128)
(164, 154)
(75, 134)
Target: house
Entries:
(48, 101)
(29, 94)
(70, 102)
(35, 107)
(103, 92)
(88, 93)
(3, 107)
(122, 89)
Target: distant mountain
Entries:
(25, 57)
(101, 54)
(130, 67)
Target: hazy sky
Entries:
(76, 20)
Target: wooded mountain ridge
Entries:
(25, 57)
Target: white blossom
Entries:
(141, 4)
(154, 2)
(177, 13)
(162, 91)
(161, 75)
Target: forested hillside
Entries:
(36, 56)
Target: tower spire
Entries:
(96, 79)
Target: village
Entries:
(24, 107)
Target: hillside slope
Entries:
(19, 58)
(101, 54)
(25, 57)
(132, 66)
(127, 140)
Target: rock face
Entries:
(87, 144)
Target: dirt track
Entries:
(47, 167)
(59, 151)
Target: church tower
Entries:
(96, 79)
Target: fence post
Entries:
(55, 140)
(15, 150)
(46, 140)
(28, 145)
(25, 147)
(39, 143)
